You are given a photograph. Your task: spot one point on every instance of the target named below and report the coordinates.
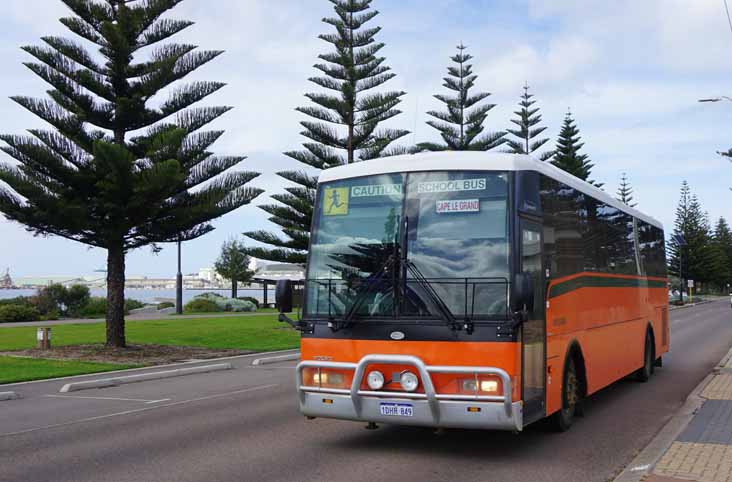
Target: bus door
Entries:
(533, 331)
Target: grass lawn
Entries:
(260, 311)
(257, 333)
(25, 369)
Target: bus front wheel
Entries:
(562, 420)
(644, 373)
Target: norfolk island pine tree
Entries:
(345, 127)
(625, 191)
(115, 173)
(461, 125)
(525, 138)
(567, 154)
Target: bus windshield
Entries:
(398, 245)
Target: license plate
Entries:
(396, 409)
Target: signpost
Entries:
(690, 284)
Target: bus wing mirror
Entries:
(523, 292)
(284, 295)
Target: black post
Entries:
(179, 286)
(681, 275)
(265, 284)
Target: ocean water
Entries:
(156, 296)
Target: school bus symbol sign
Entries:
(336, 201)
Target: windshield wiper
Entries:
(372, 281)
(439, 303)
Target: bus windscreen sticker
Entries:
(335, 202)
(452, 186)
(375, 190)
(458, 206)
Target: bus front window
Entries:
(354, 235)
(458, 238)
(456, 247)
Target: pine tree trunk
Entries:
(233, 289)
(116, 297)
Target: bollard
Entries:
(43, 335)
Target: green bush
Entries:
(133, 305)
(228, 304)
(201, 305)
(165, 304)
(75, 299)
(251, 300)
(20, 300)
(96, 307)
(18, 313)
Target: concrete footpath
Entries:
(703, 450)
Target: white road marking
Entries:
(139, 410)
(641, 468)
(108, 398)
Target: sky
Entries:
(630, 71)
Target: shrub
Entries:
(133, 305)
(95, 307)
(165, 304)
(227, 304)
(201, 305)
(251, 300)
(75, 298)
(20, 300)
(50, 299)
(18, 313)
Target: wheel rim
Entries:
(571, 392)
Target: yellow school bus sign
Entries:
(336, 201)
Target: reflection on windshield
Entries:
(457, 238)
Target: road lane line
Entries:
(139, 410)
(106, 398)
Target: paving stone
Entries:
(704, 462)
(720, 388)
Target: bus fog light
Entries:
(375, 380)
(409, 381)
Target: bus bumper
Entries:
(427, 409)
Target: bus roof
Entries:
(474, 161)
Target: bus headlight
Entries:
(471, 385)
(328, 379)
(375, 380)
(409, 381)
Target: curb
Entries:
(130, 370)
(644, 462)
(691, 305)
(113, 382)
(8, 396)
(275, 359)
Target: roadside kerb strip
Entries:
(8, 396)
(143, 377)
(275, 359)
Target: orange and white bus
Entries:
(473, 290)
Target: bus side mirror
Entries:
(284, 295)
(523, 292)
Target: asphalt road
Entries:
(243, 425)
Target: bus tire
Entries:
(563, 419)
(644, 373)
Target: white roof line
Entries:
(475, 161)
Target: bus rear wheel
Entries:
(644, 373)
(563, 419)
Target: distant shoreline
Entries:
(153, 295)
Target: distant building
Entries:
(6, 282)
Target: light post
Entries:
(681, 243)
(179, 285)
(717, 99)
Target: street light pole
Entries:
(179, 285)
